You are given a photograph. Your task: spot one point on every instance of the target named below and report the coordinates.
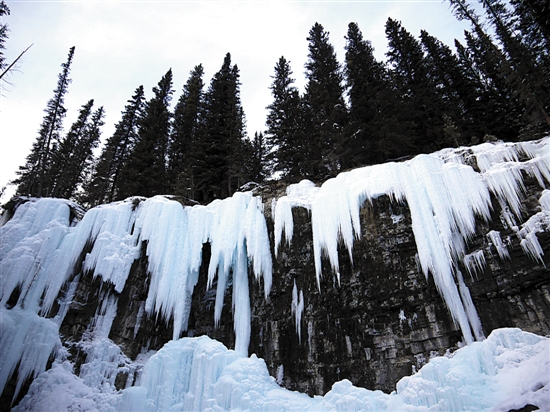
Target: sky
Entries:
(120, 45)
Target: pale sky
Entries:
(123, 44)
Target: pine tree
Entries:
(285, 132)
(35, 172)
(104, 182)
(366, 81)
(4, 11)
(144, 174)
(515, 64)
(220, 170)
(256, 167)
(325, 102)
(420, 104)
(185, 136)
(72, 161)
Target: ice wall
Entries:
(40, 253)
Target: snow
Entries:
(507, 370)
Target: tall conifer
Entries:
(185, 137)
(104, 182)
(33, 175)
(325, 101)
(285, 127)
(144, 174)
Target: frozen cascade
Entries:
(39, 251)
(444, 197)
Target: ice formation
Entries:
(41, 249)
(444, 196)
(506, 371)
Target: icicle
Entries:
(297, 309)
(501, 248)
(474, 262)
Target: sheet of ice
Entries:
(59, 389)
(496, 240)
(238, 232)
(475, 262)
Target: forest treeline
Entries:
(423, 97)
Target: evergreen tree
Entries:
(72, 161)
(366, 81)
(516, 64)
(220, 170)
(257, 167)
(35, 172)
(285, 132)
(104, 182)
(144, 174)
(184, 140)
(325, 103)
(4, 11)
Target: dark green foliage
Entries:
(103, 185)
(256, 166)
(219, 171)
(4, 11)
(285, 123)
(72, 161)
(34, 174)
(520, 65)
(185, 149)
(326, 110)
(419, 102)
(369, 94)
(145, 174)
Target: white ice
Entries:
(506, 371)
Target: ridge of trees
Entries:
(424, 97)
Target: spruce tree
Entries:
(4, 11)
(285, 131)
(104, 182)
(326, 106)
(419, 101)
(63, 157)
(144, 174)
(367, 85)
(35, 173)
(220, 170)
(73, 160)
(185, 136)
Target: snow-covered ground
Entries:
(40, 244)
(508, 370)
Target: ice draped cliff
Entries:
(425, 267)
